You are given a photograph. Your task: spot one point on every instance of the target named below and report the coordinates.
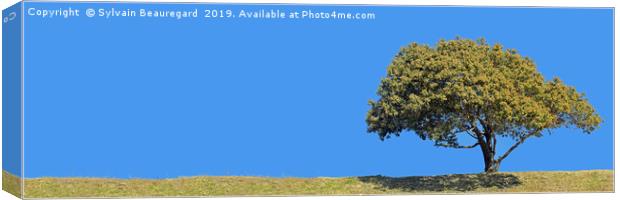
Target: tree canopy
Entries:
(469, 87)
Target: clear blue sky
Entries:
(135, 97)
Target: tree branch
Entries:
(479, 135)
(494, 143)
(514, 146)
(470, 134)
(483, 123)
(458, 146)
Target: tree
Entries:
(472, 89)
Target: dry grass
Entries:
(530, 182)
(11, 183)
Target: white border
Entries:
(23, 174)
(510, 3)
(518, 3)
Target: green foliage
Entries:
(470, 87)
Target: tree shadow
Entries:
(456, 182)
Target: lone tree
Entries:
(470, 88)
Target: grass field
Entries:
(11, 183)
(530, 182)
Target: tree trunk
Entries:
(491, 166)
(487, 141)
(490, 163)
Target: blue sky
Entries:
(135, 97)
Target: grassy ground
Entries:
(11, 184)
(570, 181)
